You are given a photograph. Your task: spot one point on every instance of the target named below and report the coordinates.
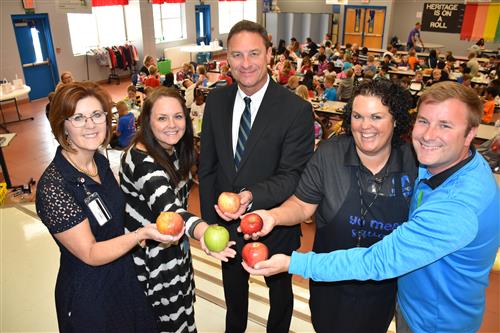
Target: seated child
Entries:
(133, 99)
(197, 110)
(185, 73)
(169, 80)
(489, 104)
(201, 75)
(224, 70)
(125, 129)
(330, 93)
(153, 80)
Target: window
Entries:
(231, 12)
(104, 27)
(169, 21)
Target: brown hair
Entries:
(249, 26)
(184, 148)
(64, 104)
(147, 59)
(131, 88)
(443, 91)
(66, 73)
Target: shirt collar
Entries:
(259, 94)
(436, 180)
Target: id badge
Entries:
(98, 208)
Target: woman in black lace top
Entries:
(79, 201)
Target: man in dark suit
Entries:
(257, 138)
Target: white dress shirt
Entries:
(239, 107)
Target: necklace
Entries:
(85, 172)
(379, 182)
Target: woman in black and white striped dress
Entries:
(155, 177)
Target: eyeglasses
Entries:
(79, 120)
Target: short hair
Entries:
(184, 148)
(64, 104)
(121, 104)
(443, 91)
(492, 91)
(391, 95)
(131, 88)
(249, 26)
(330, 78)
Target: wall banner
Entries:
(443, 17)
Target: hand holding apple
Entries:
(254, 252)
(150, 231)
(251, 223)
(223, 255)
(226, 204)
(229, 202)
(268, 223)
(278, 263)
(169, 223)
(216, 238)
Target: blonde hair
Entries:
(302, 92)
(153, 70)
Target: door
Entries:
(203, 33)
(374, 27)
(353, 31)
(364, 26)
(36, 52)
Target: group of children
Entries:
(336, 72)
(191, 82)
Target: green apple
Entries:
(216, 238)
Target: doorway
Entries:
(36, 51)
(364, 26)
(203, 33)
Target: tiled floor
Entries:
(27, 156)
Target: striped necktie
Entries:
(243, 133)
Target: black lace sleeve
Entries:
(55, 206)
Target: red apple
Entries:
(254, 252)
(251, 223)
(229, 202)
(216, 238)
(169, 223)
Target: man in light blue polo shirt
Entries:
(444, 253)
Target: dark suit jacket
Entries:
(280, 144)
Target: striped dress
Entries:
(165, 272)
